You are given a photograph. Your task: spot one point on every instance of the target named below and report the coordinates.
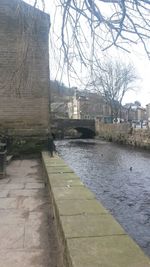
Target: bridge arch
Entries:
(85, 127)
(85, 132)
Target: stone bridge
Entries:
(85, 127)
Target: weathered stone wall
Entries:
(24, 69)
(123, 134)
(89, 236)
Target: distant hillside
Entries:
(60, 92)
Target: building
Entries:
(134, 113)
(24, 69)
(148, 112)
(87, 105)
(140, 114)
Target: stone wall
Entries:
(124, 134)
(88, 235)
(24, 69)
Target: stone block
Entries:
(106, 251)
(80, 206)
(63, 176)
(57, 169)
(65, 182)
(90, 236)
(90, 225)
(78, 192)
(24, 82)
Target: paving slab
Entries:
(30, 203)
(32, 236)
(36, 217)
(4, 193)
(11, 217)
(27, 227)
(8, 203)
(18, 180)
(13, 186)
(4, 180)
(25, 192)
(22, 258)
(34, 185)
(11, 237)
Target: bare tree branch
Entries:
(91, 26)
(113, 81)
(123, 20)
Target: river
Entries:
(120, 179)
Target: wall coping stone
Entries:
(88, 233)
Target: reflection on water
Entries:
(105, 169)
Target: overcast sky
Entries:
(136, 57)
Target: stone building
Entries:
(134, 113)
(140, 114)
(24, 69)
(87, 105)
(148, 111)
(148, 114)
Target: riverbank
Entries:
(88, 234)
(123, 134)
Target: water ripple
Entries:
(120, 179)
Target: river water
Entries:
(119, 178)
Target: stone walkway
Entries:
(27, 226)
